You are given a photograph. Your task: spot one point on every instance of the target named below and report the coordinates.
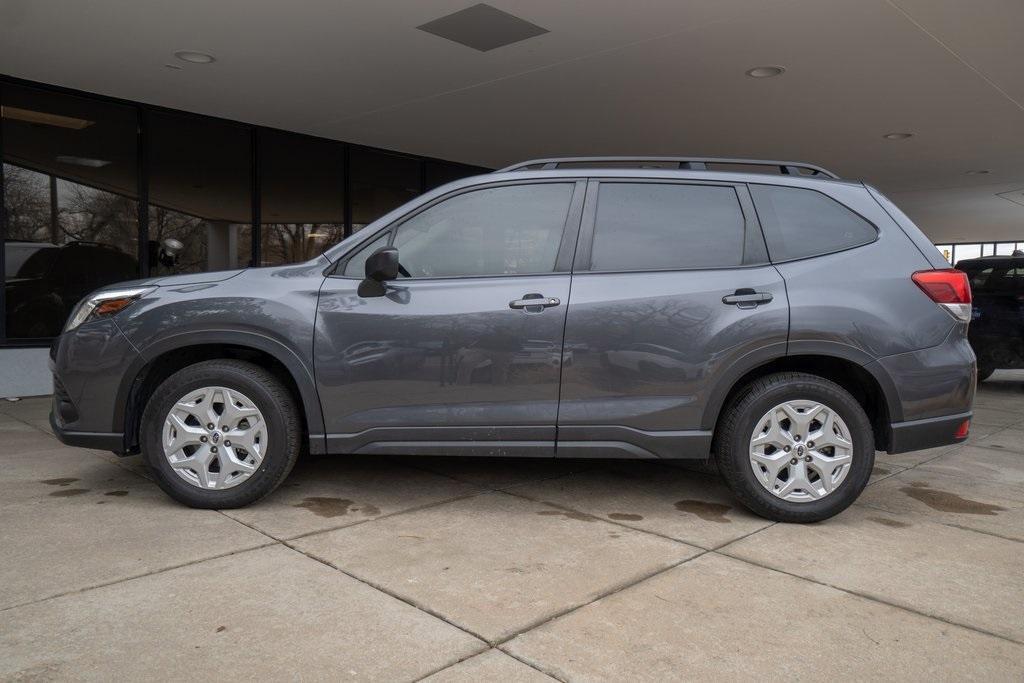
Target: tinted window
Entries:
(200, 202)
(380, 182)
(799, 223)
(440, 172)
(994, 279)
(302, 196)
(643, 226)
(496, 231)
(70, 199)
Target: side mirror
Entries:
(382, 265)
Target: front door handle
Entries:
(746, 298)
(534, 303)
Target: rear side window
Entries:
(799, 223)
(663, 226)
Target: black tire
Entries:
(732, 443)
(272, 398)
(984, 372)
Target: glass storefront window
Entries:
(71, 177)
(441, 172)
(70, 199)
(946, 250)
(380, 182)
(200, 200)
(965, 251)
(302, 207)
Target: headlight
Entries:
(104, 304)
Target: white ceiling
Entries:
(611, 77)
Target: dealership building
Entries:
(143, 139)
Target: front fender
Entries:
(299, 370)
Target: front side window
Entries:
(510, 230)
(799, 222)
(356, 266)
(665, 226)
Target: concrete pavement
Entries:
(513, 570)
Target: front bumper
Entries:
(99, 440)
(89, 365)
(917, 435)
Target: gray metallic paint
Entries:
(445, 365)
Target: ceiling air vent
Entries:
(482, 27)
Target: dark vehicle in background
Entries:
(44, 282)
(786, 324)
(997, 320)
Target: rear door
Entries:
(672, 300)
(463, 353)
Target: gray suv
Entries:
(786, 324)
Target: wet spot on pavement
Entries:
(60, 481)
(944, 501)
(326, 506)
(116, 493)
(323, 506)
(709, 512)
(568, 514)
(64, 493)
(885, 521)
(625, 517)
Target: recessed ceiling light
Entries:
(194, 57)
(898, 136)
(176, 67)
(766, 71)
(983, 171)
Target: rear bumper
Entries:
(917, 435)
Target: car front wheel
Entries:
(220, 434)
(795, 447)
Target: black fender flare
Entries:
(820, 348)
(300, 372)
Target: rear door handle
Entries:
(746, 298)
(534, 303)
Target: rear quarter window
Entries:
(799, 222)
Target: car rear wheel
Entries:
(220, 434)
(795, 447)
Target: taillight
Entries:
(962, 430)
(949, 288)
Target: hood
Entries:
(178, 280)
(194, 278)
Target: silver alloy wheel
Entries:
(801, 450)
(214, 437)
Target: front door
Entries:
(463, 354)
(672, 297)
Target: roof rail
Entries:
(686, 163)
